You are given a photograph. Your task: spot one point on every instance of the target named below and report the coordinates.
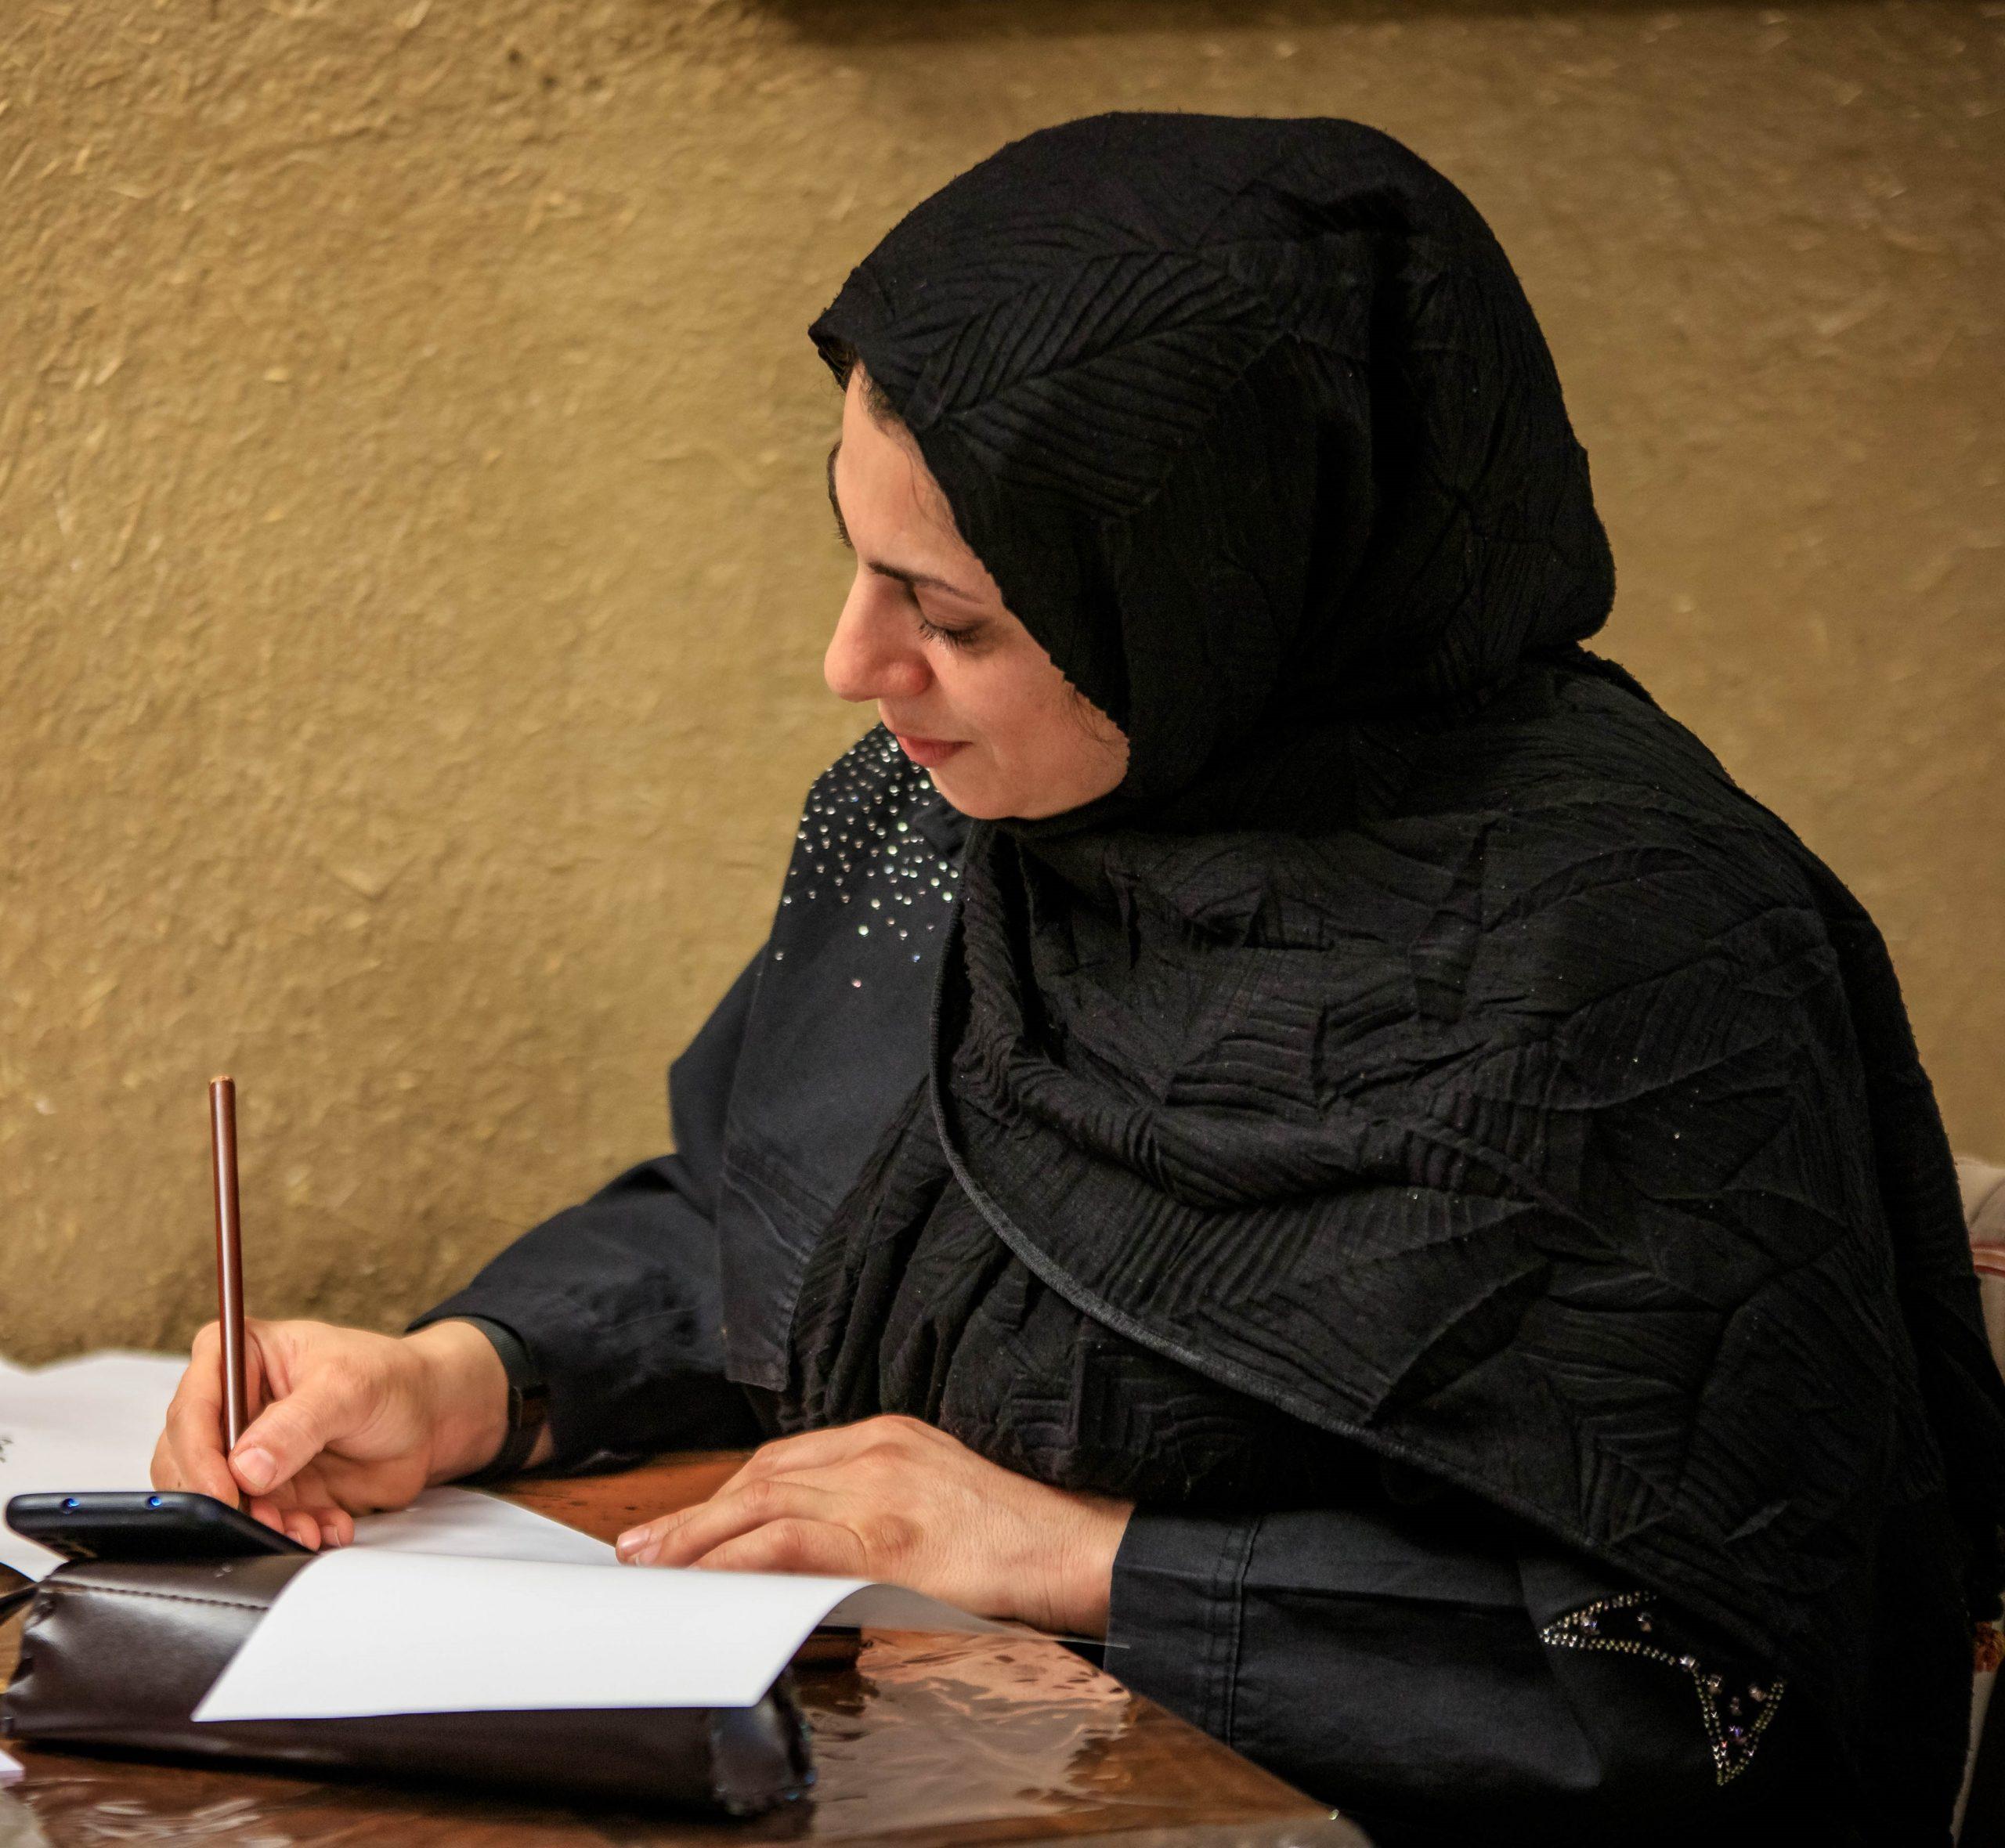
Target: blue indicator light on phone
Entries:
(152, 1501)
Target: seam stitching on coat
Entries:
(94, 1588)
(1229, 1592)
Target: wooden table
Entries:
(926, 1741)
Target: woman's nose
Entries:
(867, 657)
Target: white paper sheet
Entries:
(92, 1423)
(79, 1424)
(460, 1602)
(377, 1632)
(469, 1525)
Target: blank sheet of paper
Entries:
(364, 1631)
(473, 1624)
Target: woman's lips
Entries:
(928, 753)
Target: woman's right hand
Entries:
(345, 1422)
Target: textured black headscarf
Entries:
(1427, 1039)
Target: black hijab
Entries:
(1427, 1041)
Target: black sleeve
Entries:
(1445, 1683)
(616, 1299)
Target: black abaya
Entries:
(1455, 1159)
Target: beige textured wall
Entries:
(415, 568)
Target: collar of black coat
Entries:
(941, 823)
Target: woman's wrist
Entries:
(1087, 1577)
(465, 1389)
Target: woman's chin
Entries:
(965, 793)
(978, 797)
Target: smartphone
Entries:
(132, 1524)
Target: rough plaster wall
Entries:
(416, 572)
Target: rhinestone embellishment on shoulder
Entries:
(855, 847)
(1735, 1711)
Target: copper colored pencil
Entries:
(229, 1257)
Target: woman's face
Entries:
(961, 683)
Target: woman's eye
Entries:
(954, 638)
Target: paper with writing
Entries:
(92, 1423)
(472, 1525)
(78, 1424)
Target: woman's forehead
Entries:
(890, 511)
(883, 472)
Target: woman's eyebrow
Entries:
(835, 506)
(917, 579)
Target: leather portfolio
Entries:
(118, 1656)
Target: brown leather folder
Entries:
(117, 1657)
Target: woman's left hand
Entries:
(894, 1499)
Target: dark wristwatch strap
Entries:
(527, 1402)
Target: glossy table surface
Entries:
(924, 1739)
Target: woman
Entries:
(1289, 1116)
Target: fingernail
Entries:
(629, 1540)
(253, 1468)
